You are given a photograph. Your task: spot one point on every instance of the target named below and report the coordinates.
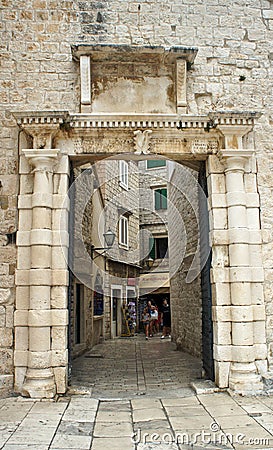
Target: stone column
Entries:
(244, 376)
(39, 381)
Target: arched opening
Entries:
(158, 210)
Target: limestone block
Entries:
(241, 294)
(255, 237)
(216, 183)
(21, 318)
(218, 219)
(258, 312)
(219, 275)
(257, 293)
(222, 352)
(40, 257)
(39, 318)
(253, 218)
(23, 258)
(252, 200)
(10, 316)
(61, 185)
(59, 358)
(21, 358)
(39, 360)
(220, 294)
(59, 338)
(41, 219)
(60, 238)
(41, 199)
(38, 277)
(239, 255)
(238, 236)
(219, 237)
(222, 370)
(6, 384)
(217, 201)
(243, 354)
(257, 274)
(40, 237)
(39, 339)
(242, 333)
(222, 333)
(235, 199)
(21, 338)
(24, 167)
(240, 274)
(262, 366)
(39, 297)
(220, 256)
(6, 337)
(241, 313)
(59, 258)
(19, 377)
(22, 297)
(25, 218)
(63, 165)
(26, 184)
(60, 219)
(60, 374)
(250, 181)
(255, 255)
(260, 351)
(221, 314)
(2, 316)
(23, 238)
(60, 278)
(237, 217)
(59, 317)
(60, 201)
(59, 297)
(214, 165)
(259, 332)
(25, 201)
(6, 296)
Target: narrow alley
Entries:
(128, 367)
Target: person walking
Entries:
(146, 322)
(166, 311)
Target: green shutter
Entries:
(151, 163)
(157, 199)
(151, 247)
(163, 198)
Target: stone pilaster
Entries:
(39, 380)
(242, 275)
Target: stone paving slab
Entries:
(150, 404)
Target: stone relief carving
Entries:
(142, 142)
(181, 72)
(204, 146)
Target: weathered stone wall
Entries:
(185, 292)
(233, 70)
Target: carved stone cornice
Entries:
(42, 126)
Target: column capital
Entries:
(233, 135)
(234, 159)
(42, 134)
(42, 159)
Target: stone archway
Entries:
(41, 317)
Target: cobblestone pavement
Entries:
(137, 403)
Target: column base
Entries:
(244, 379)
(39, 383)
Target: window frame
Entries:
(123, 232)
(155, 191)
(156, 167)
(124, 174)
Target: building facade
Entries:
(85, 80)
